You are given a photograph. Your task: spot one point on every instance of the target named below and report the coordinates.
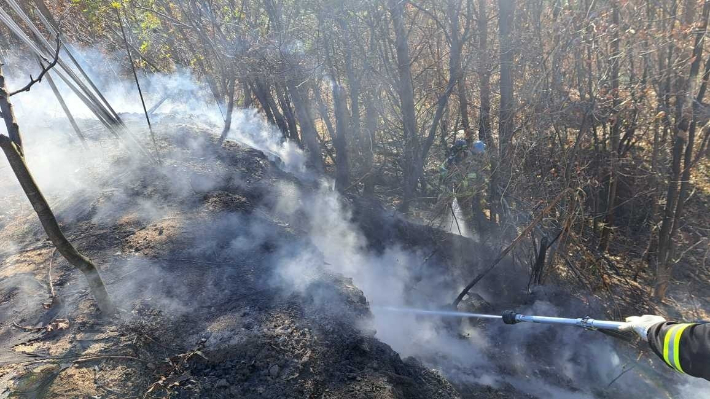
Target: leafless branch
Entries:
(44, 70)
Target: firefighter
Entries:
(463, 176)
(685, 347)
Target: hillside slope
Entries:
(238, 274)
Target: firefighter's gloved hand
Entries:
(641, 324)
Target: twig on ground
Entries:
(626, 370)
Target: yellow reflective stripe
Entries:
(667, 344)
(676, 346)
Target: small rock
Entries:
(364, 346)
(221, 383)
(274, 370)
(150, 366)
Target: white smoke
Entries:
(330, 240)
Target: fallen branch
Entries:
(511, 246)
(46, 69)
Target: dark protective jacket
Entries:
(684, 347)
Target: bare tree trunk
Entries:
(342, 123)
(614, 136)
(231, 89)
(484, 74)
(288, 115)
(505, 124)
(51, 227)
(15, 157)
(267, 104)
(248, 99)
(406, 99)
(8, 114)
(354, 86)
(309, 135)
(371, 122)
(484, 118)
(663, 271)
(463, 109)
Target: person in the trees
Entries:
(463, 175)
(685, 347)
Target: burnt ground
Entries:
(192, 253)
(196, 320)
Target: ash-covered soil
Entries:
(228, 274)
(199, 316)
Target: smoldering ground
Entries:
(250, 229)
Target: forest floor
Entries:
(204, 256)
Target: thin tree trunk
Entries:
(663, 272)
(354, 86)
(484, 118)
(406, 99)
(371, 122)
(506, 14)
(463, 109)
(614, 136)
(288, 115)
(231, 89)
(342, 176)
(248, 99)
(8, 114)
(51, 227)
(16, 160)
(309, 135)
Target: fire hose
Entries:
(510, 317)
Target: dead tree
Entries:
(12, 147)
